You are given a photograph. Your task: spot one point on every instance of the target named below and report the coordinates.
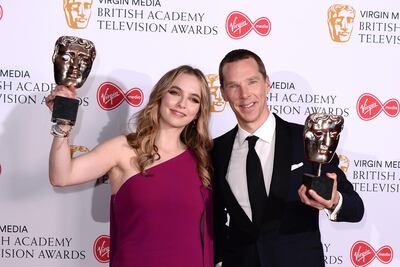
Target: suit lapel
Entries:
(280, 174)
(224, 152)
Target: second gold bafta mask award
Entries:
(321, 138)
(72, 58)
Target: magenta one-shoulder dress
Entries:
(164, 219)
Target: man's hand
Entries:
(317, 201)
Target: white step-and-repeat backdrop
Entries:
(336, 57)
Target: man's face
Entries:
(321, 139)
(77, 13)
(341, 25)
(245, 89)
(217, 101)
(72, 65)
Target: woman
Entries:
(159, 175)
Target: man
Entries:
(340, 22)
(272, 222)
(77, 13)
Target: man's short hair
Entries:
(240, 54)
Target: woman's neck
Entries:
(169, 142)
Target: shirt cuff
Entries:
(219, 264)
(332, 214)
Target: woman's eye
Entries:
(195, 100)
(173, 92)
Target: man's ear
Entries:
(223, 93)
(268, 85)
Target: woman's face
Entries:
(181, 103)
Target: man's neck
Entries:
(253, 126)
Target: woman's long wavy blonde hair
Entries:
(195, 135)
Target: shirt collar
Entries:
(265, 132)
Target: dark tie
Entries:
(255, 182)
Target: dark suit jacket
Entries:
(290, 233)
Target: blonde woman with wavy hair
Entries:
(195, 135)
(161, 208)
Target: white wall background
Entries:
(43, 226)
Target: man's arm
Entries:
(345, 204)
(352, 208)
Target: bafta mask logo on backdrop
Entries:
(101, 249)
(344, 163)
(340, 22)
(369, 107)
(362, 254)
(217, 101)
(77, 13)
(110, 96)
(238, 25)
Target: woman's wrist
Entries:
(60, 130)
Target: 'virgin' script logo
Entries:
(369, 106)
(101, 248)
(362, 254)
(110, 96)
(238, 25)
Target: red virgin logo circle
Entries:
(110, 96)
(369, 107)
(362, 254)
(238, 25)
(101, 249)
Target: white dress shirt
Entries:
(265, 147)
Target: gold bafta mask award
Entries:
(72, 58)
(321, 137)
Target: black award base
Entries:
(323, 185)
(65, 109)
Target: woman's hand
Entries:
(60, 90)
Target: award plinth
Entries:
(323, 185)
(72, 58)
(321, 137)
